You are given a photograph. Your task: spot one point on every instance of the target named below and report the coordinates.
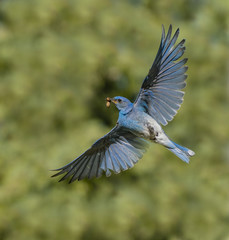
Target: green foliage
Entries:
(58, 61)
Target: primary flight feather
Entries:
(139, 123)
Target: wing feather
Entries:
(116, 163)
(161, 94)
(119, 159)
(115, 152)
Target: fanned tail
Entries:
(182, 152)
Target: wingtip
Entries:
(55, 175)
(170, 27)
(163, 27)
(185, 61)
(163, 34)
(183, 41)
(57, 169)
(54, 170)
(70, 181)
(73, 179)
(177, 32)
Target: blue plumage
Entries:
(157, 103)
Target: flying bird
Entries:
(140, 122)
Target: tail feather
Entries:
(182, 152)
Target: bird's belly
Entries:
(154, 130)
(145, 127)
(156, 133)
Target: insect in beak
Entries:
(108, 102)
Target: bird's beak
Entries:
(114, 101)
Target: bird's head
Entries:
(122, 103)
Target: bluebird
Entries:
(140, 122)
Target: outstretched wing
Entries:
(160, 94)
(116, 151)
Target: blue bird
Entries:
(140, 122)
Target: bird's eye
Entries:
(119, 100)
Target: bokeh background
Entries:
(58, 61)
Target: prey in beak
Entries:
(109, 100)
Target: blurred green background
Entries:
(58, 61)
